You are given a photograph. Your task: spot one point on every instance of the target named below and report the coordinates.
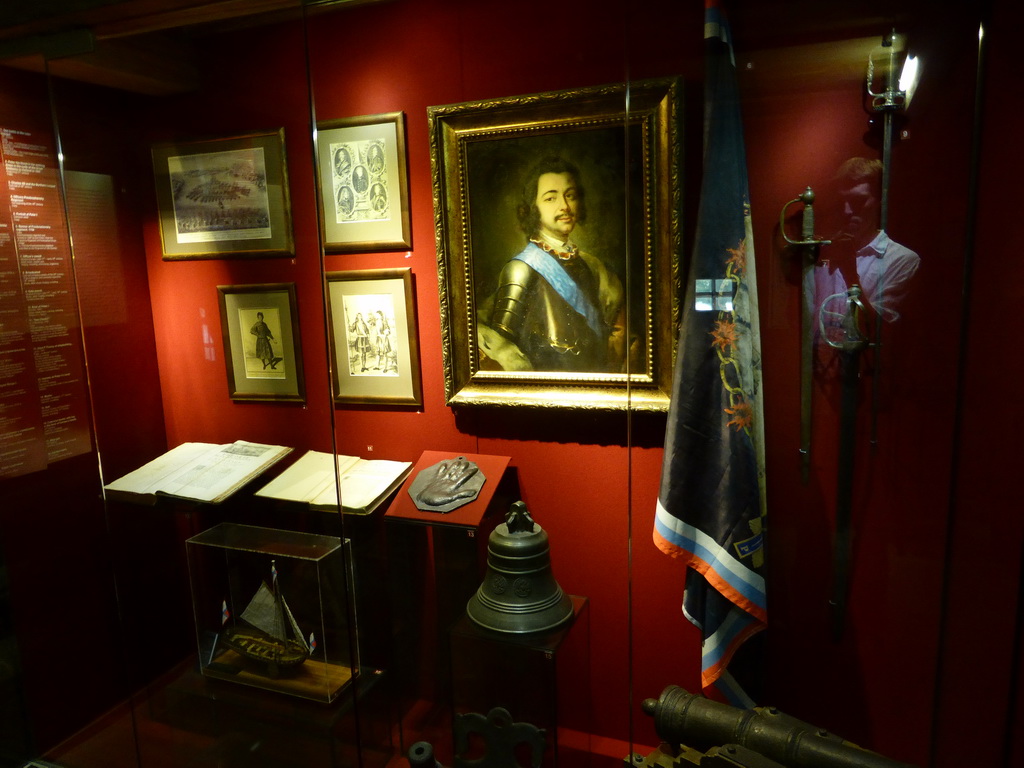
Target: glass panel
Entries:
(873, 408)
(806, 116)
(49, 464)
(199, 277)
(569, 463)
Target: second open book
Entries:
(311, 480)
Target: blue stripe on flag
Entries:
(719, 644)
(732, 693)
(688, 538)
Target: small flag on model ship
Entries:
(225, 614)
(273, 572)
(312, 642)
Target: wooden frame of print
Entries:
(364, 189)
(262, 346)
(374, 350)
(224, 198)
(627, 234)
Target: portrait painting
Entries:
(558, 247)
(560, 200)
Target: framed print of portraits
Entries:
(374, 349)
(363, 183)
(224, 198)
(262, 349)
(558, 239)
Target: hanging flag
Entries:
(312, 642)
(225, 614)
(711, 502)
(273, 572)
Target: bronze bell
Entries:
(519, 593)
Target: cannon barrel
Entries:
(684, 718)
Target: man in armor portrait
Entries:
(556, 308)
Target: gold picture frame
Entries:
(626, 230)
(374, 347)
(364, 189)
(262, 345)
(224, 198)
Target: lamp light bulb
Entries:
(909, 78)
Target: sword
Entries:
(889, 101)
(851, 342)
(809, 246)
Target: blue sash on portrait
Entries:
(547, 266)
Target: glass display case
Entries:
(293, 227)
(249, 631)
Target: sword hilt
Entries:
(807, 237)
(851, 323)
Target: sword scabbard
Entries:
(809, 246)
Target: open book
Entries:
(197, 471)
(364, 482)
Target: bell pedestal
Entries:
(435, 563)
(541, 678)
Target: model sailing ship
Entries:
(268, 633)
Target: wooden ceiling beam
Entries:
(187, 15)
(129, 45)
(139, 16)
(156, 65)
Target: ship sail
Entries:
(270, 613)
(296, 632)
(275, 638)
(262, 612)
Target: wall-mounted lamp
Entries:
(899, 89)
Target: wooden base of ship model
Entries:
(277, 656)
(313, 679)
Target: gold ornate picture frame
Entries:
(262, 346)
(515, 331)
(374, 347)
(364, 188)
(224, 198)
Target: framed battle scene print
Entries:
(558, 241)
(363, 183)
(374, 351)
(262, 348)
(224, 198)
